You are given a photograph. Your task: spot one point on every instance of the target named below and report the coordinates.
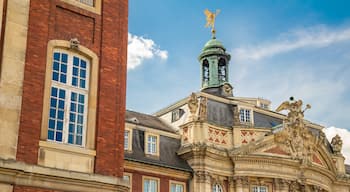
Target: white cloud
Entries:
(313, 37)
(140, 48)
(344, 134)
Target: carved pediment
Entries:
(294, 141)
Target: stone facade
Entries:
(237, 144)
(31, 31)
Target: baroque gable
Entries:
(294, 141)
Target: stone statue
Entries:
(337, 144)
(203, 108)
(193, 105)
(295, 137)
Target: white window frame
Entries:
(128, 140)
(151, 179)
(129, 176)
(260, 189)
(217, 188)
(148, 144)
(69, 88)
(177, 183)
(244, 119)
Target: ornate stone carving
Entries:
(203, 177)
(337, 144)
(241, 180)
(74, 43)
(294, 186)
(295, 137)
(193, 105)
(315, 188)
(203, 109)
(236, 120)
(321, 138)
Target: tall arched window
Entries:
(205, 71)
(217, 188)
(222, 69)
(68, 98)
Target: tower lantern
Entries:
(214, 62)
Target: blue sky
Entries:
(279, 49)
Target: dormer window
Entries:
(264, 105)
(152, 144)
(176, 114)
(244, 115)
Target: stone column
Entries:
(231, 184)
(281, 185)
(242, 184)
(202, 181)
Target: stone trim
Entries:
(95, 9)
(142, 167)
(19, 173)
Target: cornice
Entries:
(19, 173)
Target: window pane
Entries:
(74, 96)
(55, 76)
(78, 140)
(64, 68)
(126, 139)
(59, 67)
(75, 61)
(70, 139)
(56, 117)
(83, 64)
(76, 117)
(58, 136)
(50, 135)
(56, 66)
(56, 56)
(51, 123)
(64, 57)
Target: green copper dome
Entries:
(213, 47)
(214, 62)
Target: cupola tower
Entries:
(214, 62)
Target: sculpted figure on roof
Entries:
(295, 137)
(192, 105)
(337, 144)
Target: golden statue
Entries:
(211, 19)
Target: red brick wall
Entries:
(106, 35)
(31, 189)
(110, 146)
(164, 180)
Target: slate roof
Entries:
(221, 114)
(168, 146)
(147, 121)
(262, 120)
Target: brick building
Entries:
(151, 160)
(62, 95)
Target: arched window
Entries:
(69, 107)
(217, 188)
(68, 98)
(205, 71)
(222, 69)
